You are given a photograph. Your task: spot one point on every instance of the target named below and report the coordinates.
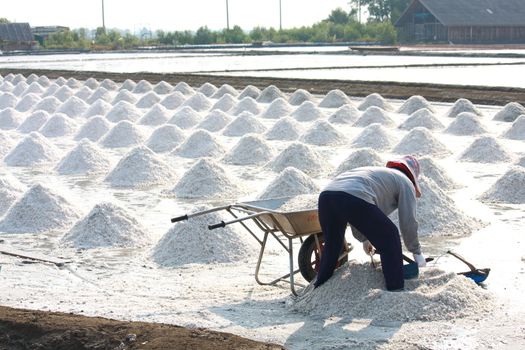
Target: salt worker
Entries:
(364, 197)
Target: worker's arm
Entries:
(408, 224)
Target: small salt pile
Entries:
(10, 118)
(124, 96)
(414, 104)
(185, 118)
(51, 90)
(165, 138)
(141, 168)
(91, 83)
(225, 103)
(432, 170)
(99, 107)
(245, 123)
(375, 136)
(285, 129)
(466, 123)
(521, 162)
(173, 100)
(123, 134)
(517, 130)
(7, 100)
(148, 100)
(34, 88)
(346, 114)
(20, 88)
(48, 104)
(251, 149)
(85, 158)
(335, 99)
(63, 93)
(207, 179)
(223, 90)
(93, 129)
(299, 203)
(44, 81)
(249, 91)
(510, 112)
(184, 88)
(39, 210)
(123, 111)
(460, 106)
(198, 102)
(6, 143)
(421, 142)
(290, 182)
(247, 104)
(322, 133)
(207, 89)
(6, 87)
(10, 190)
(360, 158)
(299, 96)
(269, 94)
(33, 150)
(128, 85)
(307, 111)
(58, 125)
(109, 85)
(200, 144)
(73, 83)
(485, 149)
(216, 120)
(27, 102)
(60, 81)
(84, 93)
(277, 109)
(375, 100)
(106, 225)
(157, 115)
(302, 157)
(100, 94)
(142, 87)
(423, 117)
(373, 115)
(191, 242)
(163, 88)
(508, 188)
(31, 78)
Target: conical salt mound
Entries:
(5, 144)
(124, 96)
(460, 106)
(185, 118)
(191, 242)
(34, 149)
(184, 89)
(225, 103)
(20, 88)
(415, 103)
(420, 142)
(290, 182)
(173, 100)
(335, 99)
(244, 124)
(302, 157)
(100, 94)
(216, 120)
(375, 100)
(200, 144)
(10, 190)
(85, 158)
(48, 104)
(510, 112)
(466, 123)
(249, 91)
(516, 130)
(247, 104)
(299, 96)
(10, 118)
(39, 210)
(307, 111)
(51, 89)
(485, 149)
(44, 81)
(165, 138)
(375, 136)
(359, 158)
(32, 78)
(346, 114)
(123, 134)
(123, 111)
(163, 88)
(198, 102)
(423, 117)
(148, 100)
(142, 87)
(127, 85)
(7, 100)
(27, 102)
(99, 107)
(508, 188)
(223, 90)
(93, 129)
(322, 133)
(92, 83)
(60, 81)
(73, 83)
(269, 94)
(140, 168)
(250, 150)
(157, 115)
(207, 89)
(34, 88)
(6, 87)
(373, 115)
(33, 122)
(58, 125)
(109, 85)
(432, 170)
(277, 109)
(206, 179)
(84, 94)
(285, 129)
(106, 225)
(63, 93)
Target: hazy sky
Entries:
(168, 15)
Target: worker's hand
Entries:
(368, 247)
(420, 259)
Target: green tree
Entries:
(4, 20)
(204, 36)
(339, 16)
(383, 10)
(235, 35)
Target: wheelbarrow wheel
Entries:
(309, 257)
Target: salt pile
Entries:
(10, 190)
(485, 149)
(372, 115)
(100, 94)
(198, 102)
(245, 123)
(73, 83)
(106, 225)
(40, 209)
(335, 99)
(207, 89)
(5, 144)
(44, 81)
(184, 88)
(165, 138)
(58, 125)
(191, 242)
(302, 157)
(206, 179)
(466, 123)
(128, 85)
(185, 118)
(216, 120)
(422, 118)
(20, 88)
(322, 133)
(432, 170)
(163, 88)
(521, 162)
(434, 295)
(250, 150)
(85, 158)
(63, 93)
(83, 93)
(27, 102)
(375, 100)
(415, 103)
(508, 188)
(34, 149)
(375, 136)
(299, 96)
(307, 111)
(225, 103)
(51, 90)
(123, 111)
(460, 106)
(109, 84)
(148, 100)
(360, 158)
(249, 91)
(299, 203)
(420, 142)
(200, 144)
(140, 168)
(285, 129)
(142, 87)
(269, 94)
(34, 88)
(91, 83)
(10, 118)
(7, 99)
(247, 104)
(93, 129)
(123, 134)
(223, 90)
(48, 104)
(124, 96)
(60, 81)
(516, 130)
(6, 87)
(277, 109)
(346, 114)
(510, 112)
(32, 78)
(173, 100)
(290, 182)
(157, 115)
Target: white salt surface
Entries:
(123, 111)
(148, 100)
(216, 120)
(374, 114)
(415, 103)
(91, 83)
(439, 174)
(277, 109)
(7, 100)
(124, 96)
(485, 149)
(173, 100)
(109, 84)
(375, 100)
(375, 136)
(307, 111)
(299, 96)
(33, 150)
(466, 123)
(58, 125)
(6, 143)
(335, 99)
(223, 90)
(200, 144)
(27, 102)
(185, 118)
(165, 138)
(198, 102)
(10, 118)
(517, 130)
(249, 91)
(244, 124)
(100, 94)
(184, 88)
(510, 112)
(48, 104)
(127, 85)
(359, 158)
(460, 106)
(142, 87)
(247, 104)
(163, 88)
(299, 203)
(508, 188)
(73, 107)
(157, 115)
(84, 93)
(421, 142)
(346, 114)
(302, 157)
(207, 89)
(99, 107)
(63, 93)
(270, 93)
(422, 118)
(85, 158)
(10, 190)
(285, 129)
(93, 129)
(123, 134)
(322, 133)
(290, 182)
(225, 103)
(251, 149)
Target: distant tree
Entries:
(235, 35)
(338, 16)
(205, 36)
(4, 20)
(383, 10)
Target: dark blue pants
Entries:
(336, 210)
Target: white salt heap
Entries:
(249, 91)
(422, 118)
(335, 99)
(124, 96)
(40, 209)
(485, 149)
(109, 84)
(123, 134)
(372, 115)
(466, 123)
(299, 202)
(27, 102)
(508, 188)
(225, 103)
(510, 112)
(106, 226)
(375, 136)
(84, 93)
(191, 242)
(521, 161)
(290, 182)
(20, 88)
(100, 94)
(375, 100)
(93, 129)
(277, 109)
(165, 138)
(415, 103)
(216, 120)
(6, 87)
(128, 84)
(184, 88)
(63, 93)
(73, 83)
(148, 100)
(58, 125)
(198, 102)
(307, 111)
(285, 129)
(299, 96)
(34, 89)
(49, 104)
(185, 118)
(157, 115)
(431, 169)
(85, 158)
(33, 150)
(92, 83)
(269, 94)
(247, 104)
(6, 143)
(245, 123)
(141, 168)
(346, 114)
(173, 100)
(207, 89)
(200, 144)
(421, 142)
(517, 130)
(10, 190)
(223, 90)
(7, 100)
(163, 88)
(360, 158)
(460, 106)
(322, 133)
(251, 149)
(10, 118)
(99, 107)
(142, 87)
(123, 111)
(302, 157)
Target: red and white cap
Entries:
(409, 165)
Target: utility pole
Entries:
(227, 16)
(103, 20)
(280, 16)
